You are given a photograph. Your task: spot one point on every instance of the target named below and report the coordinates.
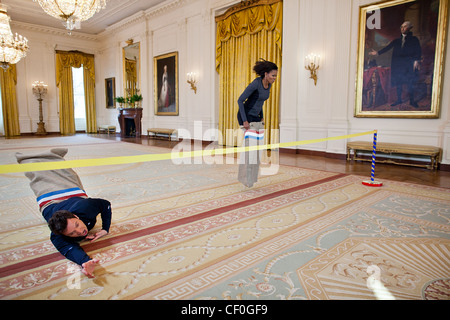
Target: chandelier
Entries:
(12, 49)
(72, 12)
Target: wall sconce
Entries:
(312, 63)
(191, 79)
(40, 89)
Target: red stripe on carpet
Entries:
(37, 262)
(203, 215)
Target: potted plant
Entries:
(129, 102)
(120, 100)
(136, 100)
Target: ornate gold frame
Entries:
(172, 59)
(131, 87)
(434, 111)
(110, 92)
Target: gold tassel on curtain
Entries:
(8, 79)
(65, 60)
(246, 33)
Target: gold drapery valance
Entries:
(246, 33)
(8, 81)
(249, 19)
(73, 59)
(65, 61)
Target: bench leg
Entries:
(434, 163)
(348, 154)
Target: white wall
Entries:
(328, 27)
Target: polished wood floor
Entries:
(423, 176)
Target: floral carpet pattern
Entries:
(192, 231)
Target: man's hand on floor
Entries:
(97, 235)
(88, 268)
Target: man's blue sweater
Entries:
(87, 211)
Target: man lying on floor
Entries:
(69, 212)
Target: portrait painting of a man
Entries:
(400, 59)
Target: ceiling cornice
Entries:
(163, 7)
(143, 16)
(138, 17)
(53, 31)
(135, 18)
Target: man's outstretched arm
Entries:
(73, 252)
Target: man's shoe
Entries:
(396, 103)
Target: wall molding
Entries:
(142, 16)
(53, 31)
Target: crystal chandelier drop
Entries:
(12, 49)
(72, 12)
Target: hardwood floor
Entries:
(382, 171)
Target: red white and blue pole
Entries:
(372, 182)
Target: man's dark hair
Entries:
(262, 66)
(58, 222)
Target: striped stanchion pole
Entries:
(372, 182)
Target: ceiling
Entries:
(30, 12)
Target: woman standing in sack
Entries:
(251, 119)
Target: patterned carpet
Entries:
(192, 231)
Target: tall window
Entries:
(78, 99)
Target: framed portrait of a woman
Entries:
(110, 92)
(166, 84)
(400, 63)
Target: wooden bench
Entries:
(389, 149)
(106, 129)
(159, 131)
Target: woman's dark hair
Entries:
(58, 222)
(262, 66)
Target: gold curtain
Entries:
(8, 79)
(89, 94)
(65, 60)
(131, 75)
(246, 33)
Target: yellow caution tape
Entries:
(43, 166)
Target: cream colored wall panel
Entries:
(165, 40)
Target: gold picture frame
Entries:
(386, 85)
(166, 84)
(110, 92)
